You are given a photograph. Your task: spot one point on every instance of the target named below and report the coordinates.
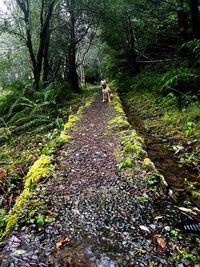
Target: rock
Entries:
(144, 229)
(167, 228)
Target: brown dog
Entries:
(106, 91)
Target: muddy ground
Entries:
(97, 215)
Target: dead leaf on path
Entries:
(64, 240)
(3, 174)
(161, 241)
(140, 250)
(175, 247)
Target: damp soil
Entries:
(164, 160)
(97, 216)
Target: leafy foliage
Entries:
(183, 83)
(193, 47)
(35, 111)
(161, 114)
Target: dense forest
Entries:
(53, 55)
(66, 44)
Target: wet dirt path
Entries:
(99, 217)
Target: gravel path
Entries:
(99, 216)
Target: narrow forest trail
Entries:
(99, 216)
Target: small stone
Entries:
(19, 252)
(144, 228)
(167, 228)
(152, 226)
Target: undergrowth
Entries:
(20, 149)
(152, 98)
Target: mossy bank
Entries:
(43, 167)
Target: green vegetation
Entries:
(20, 160)
(150, 96)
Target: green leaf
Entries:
(40, 220)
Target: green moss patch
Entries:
(41, 168)
(119, 122)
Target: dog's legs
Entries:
(108, 97)
(103, 97)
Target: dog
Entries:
(106, 91)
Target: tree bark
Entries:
(72, 73)
(37, 60)
(46, 60)
(43, 45)
(132, 55)
(195, 21)
(182, 22)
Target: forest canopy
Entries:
(61, 45)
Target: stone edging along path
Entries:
(99, 204)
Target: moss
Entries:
(72, 119)
(163, 183)
(117, 104)
(42, 167)
(148, 164)
(133, 144)
(64, 138)
(196, 196)
(87, 104)
(119, 122)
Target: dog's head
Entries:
(103, 84)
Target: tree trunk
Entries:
(132, 55)
(182, 22)
(44, 39)
(46, 60)
(43, 45)
(195, 21)
(73, 76)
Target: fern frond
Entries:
(30, 124)
(43, 128)
(193, 47)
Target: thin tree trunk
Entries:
(73, 75)
(46, 60)
(44, 35)
(182, 22)
(44, 39)
(195, 21)
(132, 54)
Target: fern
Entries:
(35, 113)
(193, 47)
(178, 79)
(43, 128)
(33, 123)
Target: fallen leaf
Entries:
(3, 174)
(161, 242)
(64, 240)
